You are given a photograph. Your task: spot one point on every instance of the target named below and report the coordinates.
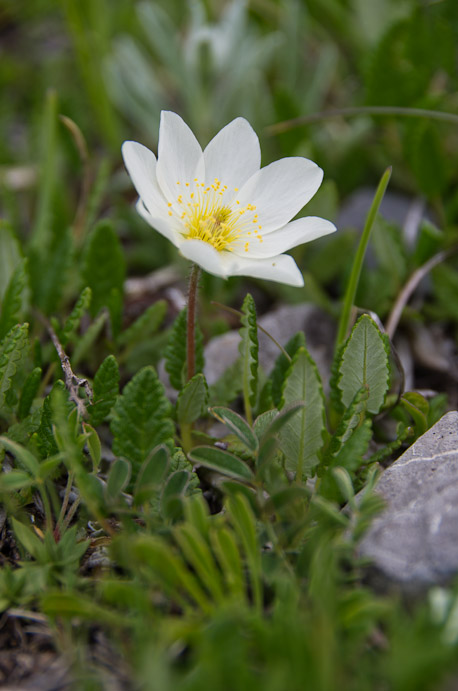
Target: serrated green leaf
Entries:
(105, 389)
(146, 324)
(104, 265)
(175, 352)
(192, 400)
(73, 321)
(12, 351)
(45, 440)
(118, 478)
(14, 299)
(302, 437)
(29, 392)
(222, 461)
(237, 425)
(365, 363)
(141, 418)
(249, 348)
(353, 417)
(282, 364)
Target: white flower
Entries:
(218, 207)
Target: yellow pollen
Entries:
(204, 216)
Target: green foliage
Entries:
(302, 436)
(73, 320)
(364, 363)
(282, 364)
(104, 271)
(175, 352)
(14, 299)
(141, 419)
(192, 400)
(28, 393)
(249, 351)
(105, 390)
(12, 351)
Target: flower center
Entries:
(204, 215)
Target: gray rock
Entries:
(414, 541)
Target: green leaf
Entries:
(146, 325)
(45, 440)
(24, 457)
(10, 256)
(151, 475)
(28, 539)
(418, 407)
(222, 461)
(301, 438)
(104, 267)
(12, 350)
(249, 348)
(243, 520)
(73, 321)
(237, 425)
(29, 392)
(118, 478)
(14, 480)
(353, 417)
(192, 400)
(93, 444)
(427, 157)
(141, 418)
(175, 352)
(172, 494)
(48, 286)
(365, 363)
(198, 554)
(228, 555)
(387, 242)
(282, 365)
(105, 389)
(13, 299)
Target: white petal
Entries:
(233, 155)
(281, 268)
(163, 226)
(280, 190)
(204, 255)
(281, 240)
(141, 166)
(179, 155)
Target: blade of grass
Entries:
(359, 258)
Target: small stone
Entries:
(414, 541)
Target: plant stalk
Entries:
(191, 322)
(359, 258)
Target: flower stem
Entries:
(191, 322)
(358, 263)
